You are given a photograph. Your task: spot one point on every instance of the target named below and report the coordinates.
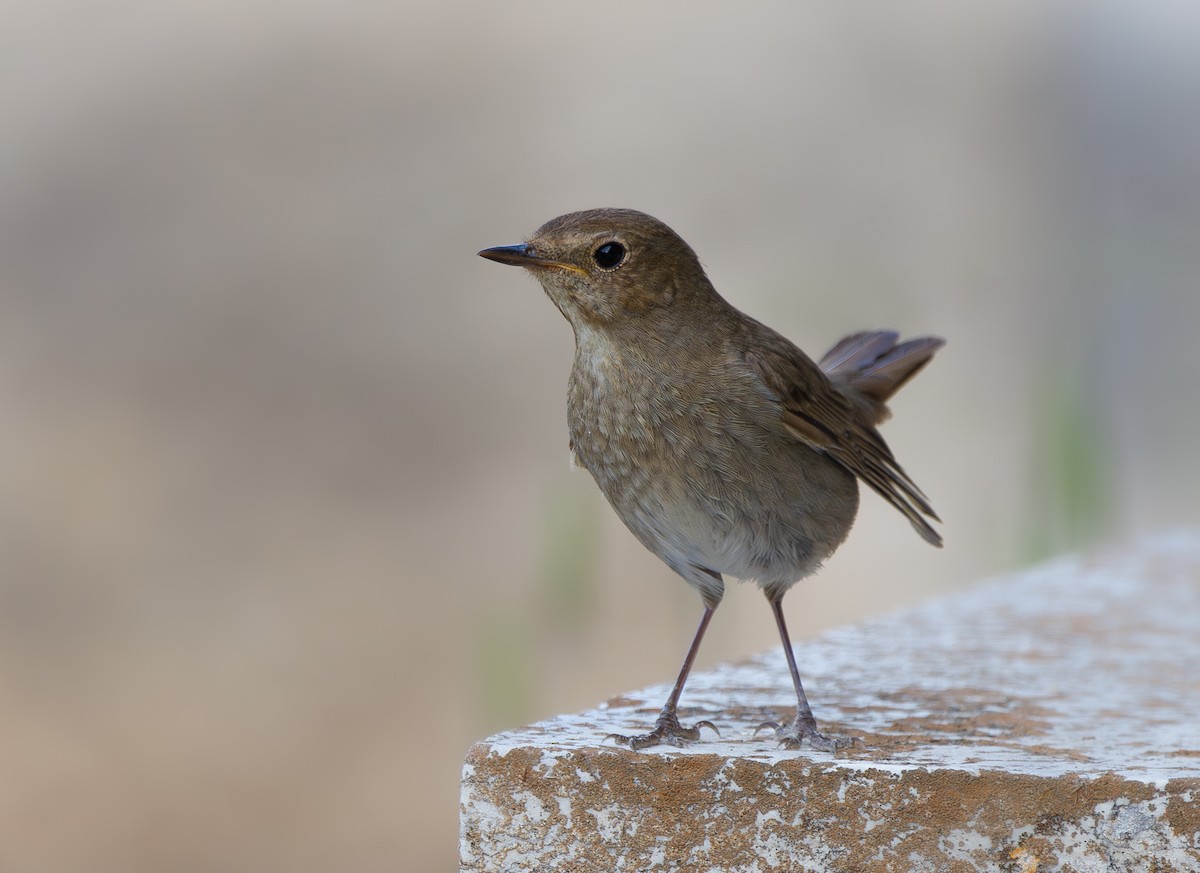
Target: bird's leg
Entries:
(803, 726)
(667, 729)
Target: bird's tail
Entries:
(871, 366)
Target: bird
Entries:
(723, 447)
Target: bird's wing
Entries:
(816, 412)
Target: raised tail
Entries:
(871, 366)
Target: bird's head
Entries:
(604, 267)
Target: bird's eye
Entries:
(609, 256)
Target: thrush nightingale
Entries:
(721, 445)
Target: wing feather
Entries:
(819, 412)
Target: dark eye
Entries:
(609, 256)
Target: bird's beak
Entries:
(523, 256)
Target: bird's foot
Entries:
(793, 734)
(667, 731)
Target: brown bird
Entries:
(719, 443)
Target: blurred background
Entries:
(286, 518)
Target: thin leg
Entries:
(667, 729)
(803, 725)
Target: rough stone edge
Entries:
(593, 810)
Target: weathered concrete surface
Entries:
(1046, 721)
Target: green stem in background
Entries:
(1072, 492)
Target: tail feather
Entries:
(858, 350)
(872, 366)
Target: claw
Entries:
(819, 741)
(667, 731)
(793, 735)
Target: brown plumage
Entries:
(723, 447)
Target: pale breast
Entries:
(703, 473)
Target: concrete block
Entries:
(1045, 721)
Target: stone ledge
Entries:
(1045, 721)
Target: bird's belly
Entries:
(775, 534)
(723, 496)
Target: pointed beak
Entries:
(519, 255)
(523, 256)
